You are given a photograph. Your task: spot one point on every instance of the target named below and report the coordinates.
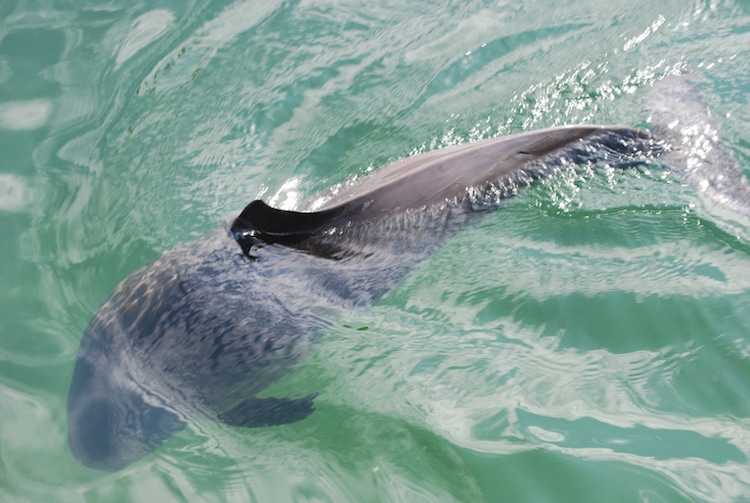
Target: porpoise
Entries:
(198, 333)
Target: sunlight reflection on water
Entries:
(587, 342)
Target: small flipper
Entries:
(273, 225)
(256, 412)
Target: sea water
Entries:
(590, 341)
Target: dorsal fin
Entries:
(273, 225)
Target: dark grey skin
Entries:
(199, 332)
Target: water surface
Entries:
(588, 342)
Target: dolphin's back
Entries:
(487, 170)
(513, 160)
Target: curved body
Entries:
(199, 332)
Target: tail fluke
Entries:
(694, 151)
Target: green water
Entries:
(588, 342)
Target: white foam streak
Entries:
(212, 37)
(25, 115)
(144, 30)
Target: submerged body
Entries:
(199, 332)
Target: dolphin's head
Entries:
(111, 422)
(188, 334)
(116, 413)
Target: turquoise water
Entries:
(588, 342)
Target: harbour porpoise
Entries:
(198, 333)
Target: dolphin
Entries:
(198, 333)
